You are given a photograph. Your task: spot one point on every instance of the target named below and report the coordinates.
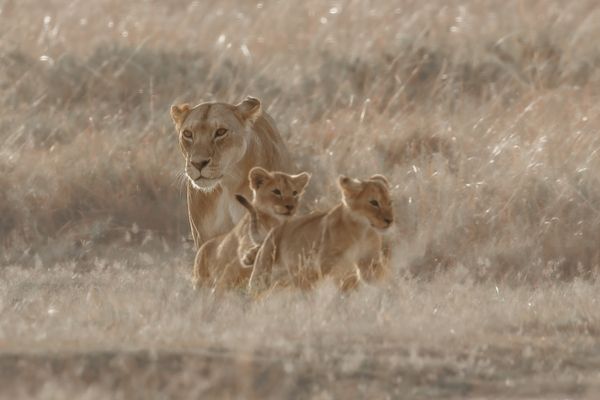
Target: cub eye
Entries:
(220, 132)
(374, 203)
(294, 193)
(277, 192)
(187, 134)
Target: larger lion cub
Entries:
(275, 198)
(344, 243)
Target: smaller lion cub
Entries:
(276, 196)
(344, 243)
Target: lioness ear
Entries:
(257, 177)
(349, 185)
(250, 109)
(179, 113)
(381, 179)
(301, 180)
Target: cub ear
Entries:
(382, 179)
(349, 185)
(179, 113)
(250, 109)
(257, 177)
(301, 180)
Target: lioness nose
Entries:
(388, 221)
(200, 164)
(289, 207)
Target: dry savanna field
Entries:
(484, 115)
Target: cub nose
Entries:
(388, 221)
(199, 165)
(289, 207)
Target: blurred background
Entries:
(484, 114)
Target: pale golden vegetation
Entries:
(484, 115)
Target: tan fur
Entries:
(218, 262)
(249, 138)
(344, 243)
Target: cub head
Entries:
(277, 193)
(213, 137)
(369, 199)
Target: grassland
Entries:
(484, 115)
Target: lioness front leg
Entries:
(201, 273)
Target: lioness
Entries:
(345, 243)
(275, 198)
(220, 143)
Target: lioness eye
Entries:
(220, 132)
(277, 192)
(374, 203)
(187, 134)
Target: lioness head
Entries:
(213, 137)
(277, 193)
(369, 199)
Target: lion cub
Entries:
(344, 243)
(275, 198)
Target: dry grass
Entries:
(485, 114)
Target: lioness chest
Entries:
(224, 214)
